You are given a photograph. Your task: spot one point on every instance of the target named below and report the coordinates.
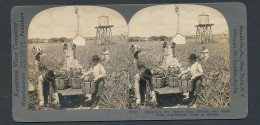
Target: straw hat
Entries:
(193, 56)
(50, 75)
(95, 58)
(147, 74)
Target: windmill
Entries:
(78, 39)
(178, 38)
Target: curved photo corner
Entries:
(169, 35)
(64, 42)
(67, 46)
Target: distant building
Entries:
(79, 41)
(179, 39)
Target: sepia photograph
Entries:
(166, 56)
(77, 58)
(186, 47)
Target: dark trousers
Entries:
(196, 86)
(136, 55)
(46, 91)
(99, 85)
(143, 89)
(37, 57)
(173, 52)
(74, 54)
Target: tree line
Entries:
(152, 38)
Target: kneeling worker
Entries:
(141, 79)
(43, 89)
(98, 74)
(196, 71)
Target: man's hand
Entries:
(41, 103)
(153, 96)
(193, 77)
(179, 75)
(138, 101)
(82, 76)
(94, 80)
(56, 96)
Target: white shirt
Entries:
(195, 70)
(98, 71)
(206, 55)
(106, 52)
(135, 48)
(36, 50)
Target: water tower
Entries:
(204, 30)
(103, 32)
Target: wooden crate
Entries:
(186, 85)
(61, 84)
(75, 82)
(87, 87)
(172, 81)
(158, 82)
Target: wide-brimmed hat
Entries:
(50, 75)
(95, 58)
(147, 74)
(192, 56)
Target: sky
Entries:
(62, 22)
(151, 21)
(163, 20)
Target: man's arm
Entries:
(40, 90)
(87, 73)
(137, 86)
(184, 72)
(53, 84)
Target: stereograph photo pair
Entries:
(137, 62)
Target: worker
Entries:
(164, 44)
(65, 47)
(37, 51)
(98, 75)
(205, 53)
(46, 80)
(135, 49)
(141, 80)
(105, 55)
(173, 49)
(74, 48)
(196, 71)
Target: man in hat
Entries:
(98, 73)
(141, 79)
(43, 89)
(196, 71)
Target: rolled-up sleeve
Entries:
(40, 87)
(102, 70)
(137, 86)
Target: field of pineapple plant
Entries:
(215, 91)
